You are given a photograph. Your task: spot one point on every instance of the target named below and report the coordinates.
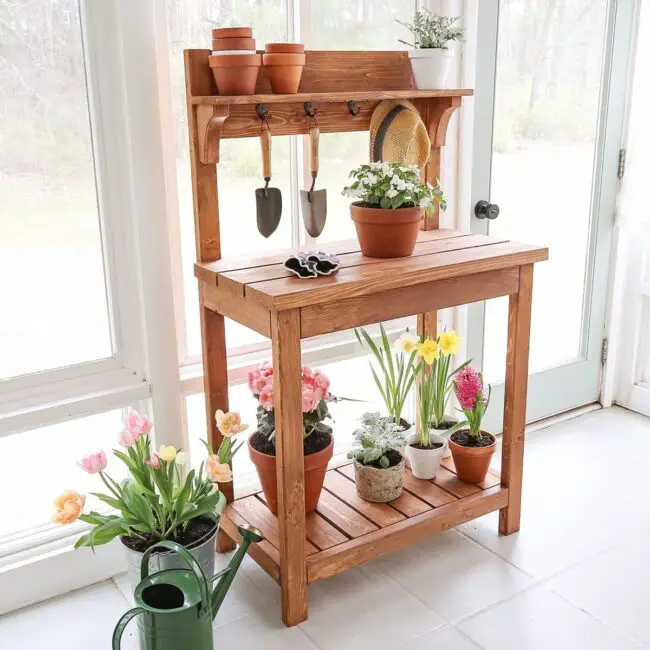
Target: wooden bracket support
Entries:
(209, 123)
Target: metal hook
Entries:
(353, 108)
(310, 111)
(262, 112)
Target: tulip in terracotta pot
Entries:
(471, 447)
(318, 441)
(392, 201)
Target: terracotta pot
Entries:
(232, 52)
(283, 58)
(233, 44)
(379, 485)
(291, 48)
(232, 32)
(285, 79)
(315, 468)
(235, 74)
(386, 232)
(472, 463)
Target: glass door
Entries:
(549, 109)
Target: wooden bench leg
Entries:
(514, 417)
(285, 332)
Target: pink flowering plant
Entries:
(468, 386)
(156, 501)
(315, 395)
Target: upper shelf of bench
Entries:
(439, 254)
(331, 97)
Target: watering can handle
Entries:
(189, 558)
(121, 625)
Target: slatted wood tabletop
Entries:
(347, 530)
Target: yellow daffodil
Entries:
(407, 343)
(429, 351)
(167, 453)
(449, 342)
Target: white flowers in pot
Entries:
(378, 463)
(431, 59)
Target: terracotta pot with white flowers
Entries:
(391, 203)
(157, 501)
(431, 58)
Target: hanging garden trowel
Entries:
(268, 199)
(314, 202)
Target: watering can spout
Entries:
(249, 534)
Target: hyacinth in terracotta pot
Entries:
(471, 447)
(318, 440)
(158, 500)
(391, 202)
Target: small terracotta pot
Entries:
(283, 58)
(232, 32)
(315, 469)
(379, 485)
(285, 79)
(233, 44)
(472, 463)
(235, 74)
(385, 232)
(291, 48)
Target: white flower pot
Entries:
(425, 462)
(430, 67)
(444, 433)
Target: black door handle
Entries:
(486, 210)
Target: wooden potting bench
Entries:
(448, 268)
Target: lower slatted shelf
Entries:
(345, 530)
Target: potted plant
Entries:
(430, 60)
(378, 463)
(472, 448)
(392, 200)
(395, 372)
(426, 449)
(155, 502)
(318, 440)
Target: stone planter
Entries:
(379, 485)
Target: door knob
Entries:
(486, 210)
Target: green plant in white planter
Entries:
(431, 58)
(378, 460)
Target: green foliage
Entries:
(432, 30)
(390, 185)
(377, 436)
(396, 371)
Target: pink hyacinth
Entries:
(93, 463)
(469, 387)
(136, 424)
(266, 397)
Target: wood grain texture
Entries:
(254, 317)
(514, 415)
(362, 280)
(410, 531)
(343, 516)
(210, 122)
(449, 482)
(285, 331)
(427, 491)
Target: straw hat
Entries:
(398, 134)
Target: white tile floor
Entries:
(577, 576)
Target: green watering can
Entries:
(177, 605)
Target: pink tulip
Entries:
(154, 461)
(136, 424)
(93, 463)
(266, 398)
(127, 439)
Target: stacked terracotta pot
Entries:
(235, 63)
(283, 63)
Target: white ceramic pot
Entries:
(444, 433)
(425, 462)
(430, 67)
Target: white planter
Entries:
(444, 433)
(430, 67)
(425, 462)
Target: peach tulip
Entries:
(217, 472)
(229, 424)
(68, 507)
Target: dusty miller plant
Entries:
(375, 439)
(432, 30)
